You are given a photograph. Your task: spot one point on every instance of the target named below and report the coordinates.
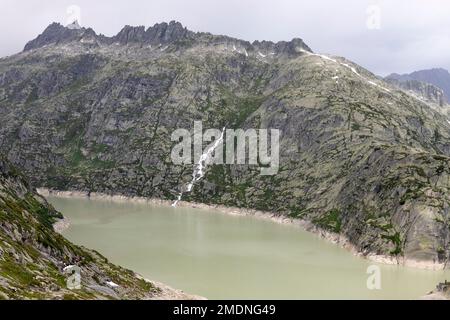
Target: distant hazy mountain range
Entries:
(438, 77)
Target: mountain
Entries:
(358, 157)
(160, 34)
(438, 77)
(33, 256)
(422, 90)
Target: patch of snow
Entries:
(112, 284)
(336, 78)
(351, 68)
(245, 52)
(69, 267)
(165, 48)
(377, 85)
(346, 65)
(262, 55)
(83, 40)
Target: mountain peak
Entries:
(55, 33)
(74, 25)
(158, 34)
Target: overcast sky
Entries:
(382, 35)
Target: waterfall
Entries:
(199, 168)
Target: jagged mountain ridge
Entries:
(160, 34)
(438, 77)
(426, 91)
(357, 156)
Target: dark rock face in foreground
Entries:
(357, 157)
(33, 256)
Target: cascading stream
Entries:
(199, 168)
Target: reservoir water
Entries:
(220, 256)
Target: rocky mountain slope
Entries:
(33, 257)
(438, 77)
(82, 111)
(426, 91)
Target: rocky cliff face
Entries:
(438, 77)
(33, 256)
(423, 90)
(357, 156)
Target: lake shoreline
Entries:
(164, 292)
(334, 238)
